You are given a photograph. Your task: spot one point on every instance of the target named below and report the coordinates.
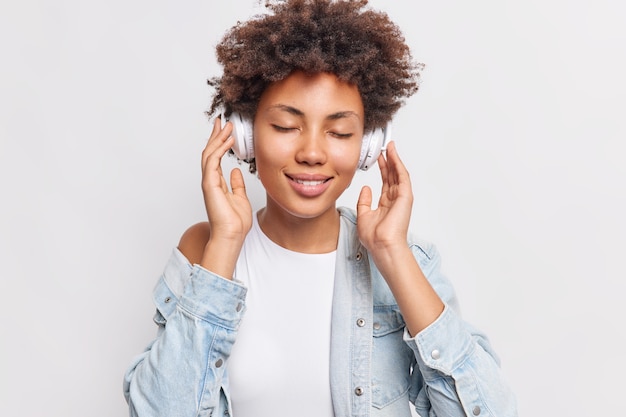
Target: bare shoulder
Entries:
(193, 241)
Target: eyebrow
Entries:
(288, 109)
(342, 115)
(300, 113)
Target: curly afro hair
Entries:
(357, 44)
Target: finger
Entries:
(391, 163)
(384, 173)
(217, 139)
(402, 190)
(217, 126)
(212, 176)
(212, 172)
(397, 168)
(218, 136)
(237, 183)
(364, 204)
(216, 149)
(218, 131)
(223, 182)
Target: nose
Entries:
(312, 148)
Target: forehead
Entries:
(319, 92)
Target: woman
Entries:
(342, 316)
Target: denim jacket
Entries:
(448, 369)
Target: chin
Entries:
(310, 214)
(304, 209)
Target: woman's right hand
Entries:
(229, 212)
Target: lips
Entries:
(309, 185)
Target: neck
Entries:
(306, 235)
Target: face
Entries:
(307, 141)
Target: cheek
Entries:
(270, 162)
(347, 157)
(265, 153)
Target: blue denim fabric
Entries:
(449, 369)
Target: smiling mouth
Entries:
(310, 183)
(310, 186)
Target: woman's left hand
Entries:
(386, 227)
(384, 231)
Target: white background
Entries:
(512, 141)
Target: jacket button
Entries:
(360, 322)
(168, 299)
(358, 391)
(359, 256)
(435, 354)
(219, 363)
(377, 326)
(239, 306)
(476, 410)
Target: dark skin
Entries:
(301, 214)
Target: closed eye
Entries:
(341, 135)
(283, 129)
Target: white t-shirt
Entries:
(279, 364)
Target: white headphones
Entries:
(374, 142)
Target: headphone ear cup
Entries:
(242, 133)
(374, 142)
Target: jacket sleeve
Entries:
(183, 371)
(458, 371)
